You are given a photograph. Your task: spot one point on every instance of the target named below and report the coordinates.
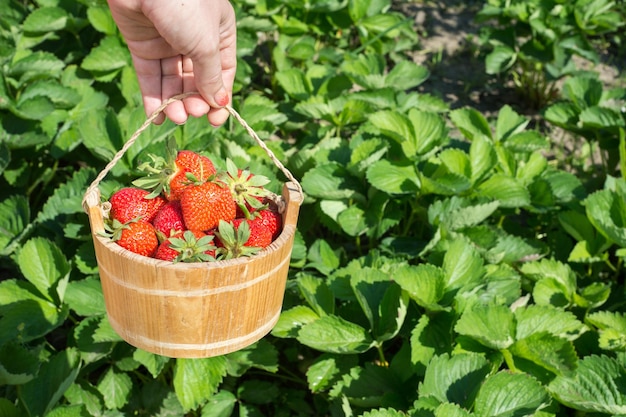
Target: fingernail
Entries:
(221, 98)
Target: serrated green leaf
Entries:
(425, 283)
(330, 181)
(500, 59)
(327, 369)
(45, 19)
(317, 294)
(598, 385)
(406, 75)
(196, 380)
(509, 123)
(294, 82)
(43, 264)
(221, 404)
(397, 127)
(470, 122)
(8, 409)
(101, 19)
(451, 410)
(562, 114)
(491, 325)
(462, 264)
(603, 210)
(14, 216)
(455, 378)
(44, 64)
(383, 412)
(367, 386)
(542, 318)
(152, 362)
(261, 355)
(393, 178)
(553, 353)
(85, 297)
(483, 158)
(431, 337)
(597, 117)
(334, 334)
(110, 55)
(42, 393)
(508, 191)
(508, 395)
(290, 321)
(612, 329)
(18, 365)
(115, 387)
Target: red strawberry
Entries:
(172, 175)
(247, 189)
(131, 203)
(188, 246)
(260, 234)
(169, 219)
(205, 204)
(200, 167)
(136, 236)
(271, 219)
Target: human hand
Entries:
(180, 46)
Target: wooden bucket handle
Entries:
(92, 195)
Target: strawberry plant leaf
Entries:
(391, 313)
(14, 218)
(152, 362)
(455, 378)
(322, 257)
(36, 66)
(383, 412)
(369, 288)
(108, 57)
(317, 294)
(43, 264)
(596, 386)
(115, 387)
(371, 385)
(393, 178)
(18, 365)
(290, 321)
(424, 283)
(8, 409)
(509, 123)
(352, 221)
(601, 118)
(611, 327)
(543, 318)
(101, 19)
(261, 355)
(221, 404)
(85, 297)
(553, 353)
(295, 83)
(42, 393)
(196, 380)
(462, 265)
(483, 158)
(334, 334)
(507, 395)
(491, 325)
(470, 122)
(45, 19)
(603, 210)
(562, 114)
(508, 191)
(91, 350)
(451, 410)
(406, 75)
(328, 369)
(399, 128)
(500, 60)
(331, 181)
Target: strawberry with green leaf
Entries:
(187, 246)
(204, 204)
(248, 189)
(171, 175)
(130, 203)
(242, 237)
(137, 236)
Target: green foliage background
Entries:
(447, 263)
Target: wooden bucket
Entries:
(193, 310)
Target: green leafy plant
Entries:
(445, 265)
(535, 41)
